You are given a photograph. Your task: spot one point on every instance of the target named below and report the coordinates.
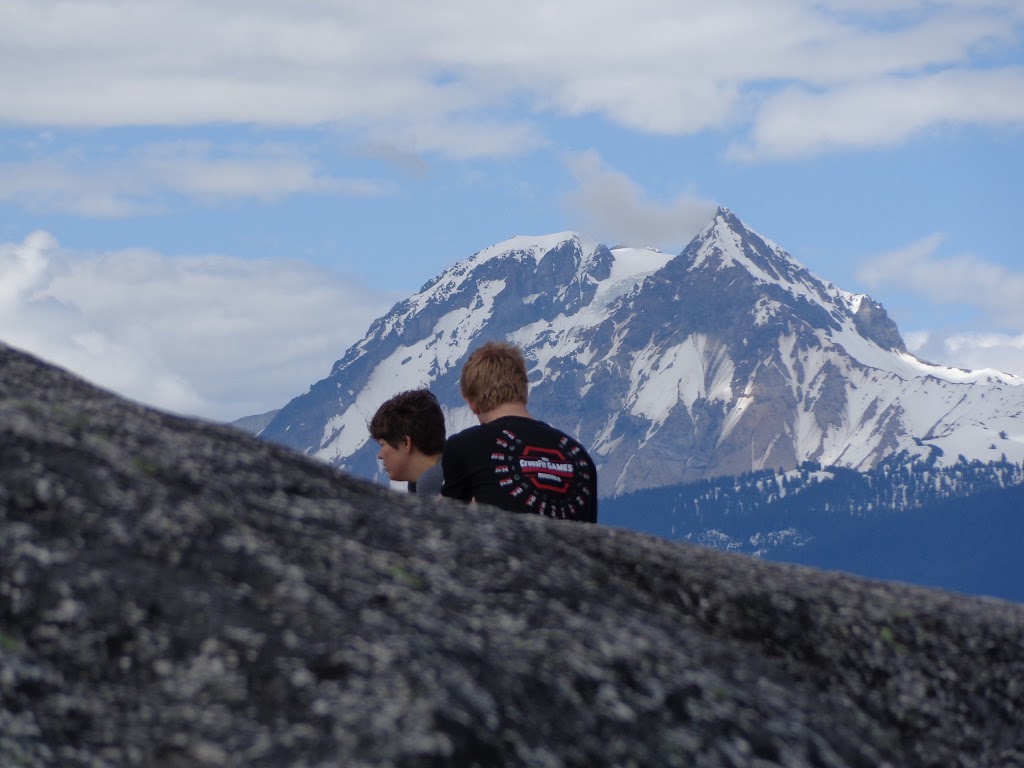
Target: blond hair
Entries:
(493, 375)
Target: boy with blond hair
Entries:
(511, 460)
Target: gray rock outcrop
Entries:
(177, 593)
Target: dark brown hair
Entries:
(414, 413)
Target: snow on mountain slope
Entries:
(726, 358)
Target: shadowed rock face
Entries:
(175, 593)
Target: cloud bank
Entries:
(207, 336)
(141, 181)
(991, 291)
(797, 77)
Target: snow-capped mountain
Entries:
(729, 357)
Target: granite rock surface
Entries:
(178, 593)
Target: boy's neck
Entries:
(421, 462)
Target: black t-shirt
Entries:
(522, 465)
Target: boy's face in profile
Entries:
(396, 459)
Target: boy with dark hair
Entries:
(512, 460)
(410, 430)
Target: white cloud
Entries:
(472, 80)
(614, 208)
(990, 290)
(974, 351)
(141, 182)
(210, 336)
(964, 279)
(989, 350)
(881, 113)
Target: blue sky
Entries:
(202, 205)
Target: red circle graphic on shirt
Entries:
(554, 482)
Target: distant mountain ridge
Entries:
(256, 423)
(728, 358)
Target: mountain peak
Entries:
(727, 242)
(536, 245)
(730, 357)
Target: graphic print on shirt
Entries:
(554, 482)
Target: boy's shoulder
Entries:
(466, 434)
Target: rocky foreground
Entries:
(175, 593)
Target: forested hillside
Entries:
(960, 527)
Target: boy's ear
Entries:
(406, 444)
(473, 408)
